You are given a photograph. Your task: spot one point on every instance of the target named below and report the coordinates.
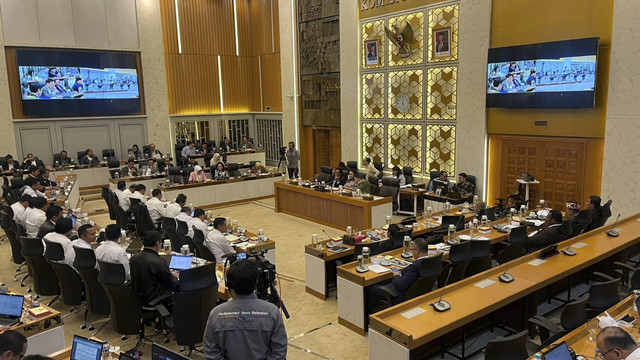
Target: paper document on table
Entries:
(484, 283)
(231, 238)
(536, 223)
(579, 245)
(378, 269)
(537, 262)
(377, 197)
(413, 312)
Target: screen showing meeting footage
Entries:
(559, 74)
(72, 83)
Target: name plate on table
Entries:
(413, 312)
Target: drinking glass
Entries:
(592, 327)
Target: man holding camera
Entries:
(245, 319)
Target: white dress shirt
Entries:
(138, 195)
(33, 220)
(635, 355)
(186, 218)
(58, 238)
(199, 224)
(156, 209)
(111, 252)
(172, 210)
(70, 252)
(123, 199)
(28, 190)
(18, 212)
(218, 245)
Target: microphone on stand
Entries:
(611, 232)
(442, 305)
(506, 277)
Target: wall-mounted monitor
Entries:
(74, 83)
(559, 74)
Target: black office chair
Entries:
(232, 169)
(430, 270)
(45, 281)
(202, 251)
(252, 163)
(511, 252)
(491, 213)
(374, 249)
(580, 225)
(96, 298)
(407, 171)
(207, 159)
(115, 173)
(182, 229)
(175, 175)
(573, 315)
(600, 216)
(480, 257)
(602, 294)
(105, 194)
(456, 266)
(390, 188)
(352, 165)
(379, 165)
(397, 239)
(169, 227)
(373, 183)
(197, 297)
(565, 230)
(57, 159)
(70, 282)
(518, 234)
(134, 203)
(16, 246)
(113, 162)
(512, 347)
(81, 154)
(325, 173)
(128, 315)
(432, 176)
(107, 153)
(143, 220)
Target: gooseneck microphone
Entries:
(328, 236)
(611, 232)
(506, 277)
(442, 305)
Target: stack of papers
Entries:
(231, 238)
(378, 269)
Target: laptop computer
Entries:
(161, 353)
(10, 309)
(85, 349)
(180, 262)
(559, 352)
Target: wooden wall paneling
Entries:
(245, 23)
(335, 144)
(519, 155)
(169, 27)
(13, 78)
(255, 84)
(271, 84)
(276, 25)
(236, 83)
(193, 84)
(322, 149)
(562, 178)
(207, 27)
(261, 29)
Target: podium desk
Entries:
(408, 329)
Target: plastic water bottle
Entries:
(538, 356)
(106, 354)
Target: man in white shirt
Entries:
(33, 188)
(185, 216)
(139, 193)
(110, 251)
(174, 209)
(87, 235)
(613, 343)
(19, 208)
(61, 235)
(198, 222)
(36, 216)
(156, 206)
(123, 199)
(149, 169)
(189, 150)
(216, 242)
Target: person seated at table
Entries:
(150, 274)
(246, 144)
(479, 208)
(87, 235)
(185, 216)
(396, 173)
(226, 145)
(165, 165)
(152, 152)
(150, 168)
(65, 160)
(174, 209)
(189, 150)
(216, 242)
(352, 181)
(156, 206)
(139, 193)
(444, 177)
(110, 250)
(549, 233)
(13, 345)
(123, 198)
(259, 169)
(135, 153)
(130, 169)
(33, 188)
(220, 173)
(615, 343)
(34, 172)
(35, 216)
(512, 203)
(30, 161)
(43, 178)
(19, 208)
(342, 166)
(9, 163)
(205, 148)
(89, 158)
(198, 222)
(217, 158)
(336, 179)
(61, 234)
(191, 164)
(464, 187)
(573, 208)
(197, 175)
(402, 280)
(53, 214)
(365, 186)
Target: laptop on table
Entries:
(85, 349)
(10, 309)
(180, 262)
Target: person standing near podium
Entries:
(293, 158)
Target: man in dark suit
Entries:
(130, 169)
(31, 161)
(150, 274)
(164, 165)
(402, 280)
(336, 179)
(43, 178)
(9, 163)
(53, 213)
(549, 234)
(65, 160)
(89, 158)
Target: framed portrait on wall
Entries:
(441, 42)
(371, 49)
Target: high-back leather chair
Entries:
(107, 153)
(512, 251)
(432, 176)
(472, 179)
(459, 259)
(169, 226)
(430, 270)
(124, 304)
(45, 281)
(70, 282)
(325, 173)
(207, 160)
(175, 175)
(565, 230)
(105, 194)
(380, 167)
(182, 229)
(600, 216)
(113, 162)
(518, 234)
(9, 230)
(353, 165)
(232, 169)
(96, 297)
(512, 347)
(407, 171)
(480, 257)
(390, 188)
(202, 251)
(573, 315)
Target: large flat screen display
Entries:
(70, 83)
(560, 74)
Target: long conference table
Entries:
(405, 330)
(331, 209)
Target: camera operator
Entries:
(293, 157)
(245, 320)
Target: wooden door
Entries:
(327, 148)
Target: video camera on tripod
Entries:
(265, 286)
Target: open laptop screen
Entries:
(85, 349)
(11, 305)
(180, 262)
